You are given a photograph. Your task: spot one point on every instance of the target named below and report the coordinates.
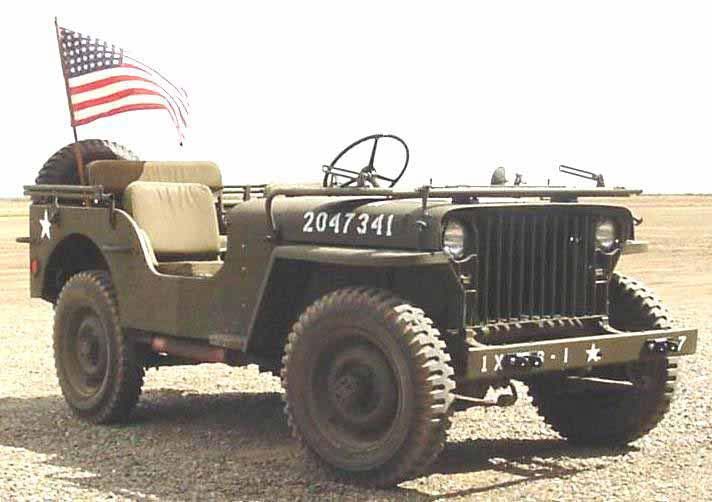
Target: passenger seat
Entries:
(179, 225)
(116, 175)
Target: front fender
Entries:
(299, 274)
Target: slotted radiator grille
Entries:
(534, 264)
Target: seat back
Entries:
(179, 219)
(116, 175)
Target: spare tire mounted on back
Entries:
(61, 168)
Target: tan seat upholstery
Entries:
(179, 222)
(116, 175)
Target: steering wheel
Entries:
(340, 177)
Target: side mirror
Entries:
(499, 177)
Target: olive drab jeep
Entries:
(382, 309)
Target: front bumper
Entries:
(526, 359)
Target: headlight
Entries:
(454, 239)
(605, 235)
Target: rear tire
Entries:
(61, 168)
(621, 416)
(368, 386)
(98, 368)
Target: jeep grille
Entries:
(534, 264)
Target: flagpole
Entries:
(75, 146)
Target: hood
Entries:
(395, 224)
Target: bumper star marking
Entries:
(593, 354)
(46, 226)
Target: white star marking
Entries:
(593, 354)
(46, 226)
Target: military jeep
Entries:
(382, 309)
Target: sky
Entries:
(277, 89)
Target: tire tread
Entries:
(125, 390)
(435, 391)
(601, 419)
(61, 167)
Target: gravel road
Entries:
(218, 433)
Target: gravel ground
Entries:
(218, 433)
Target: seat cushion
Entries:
(116, 175)
(179, 218)
(190, 268)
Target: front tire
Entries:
(368, 386)
(617, 417)
(98, 368)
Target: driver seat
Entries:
(178, 224)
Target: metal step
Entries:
(229, 341)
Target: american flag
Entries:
(102, 80)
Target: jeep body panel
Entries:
(264, 259)
(226, 302)
(192, 307)
(410, 226)
(283, 254)
(148, 300)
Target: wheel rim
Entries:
(86, 355)
(355, 397)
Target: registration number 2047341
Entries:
(344, 223)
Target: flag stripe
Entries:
(98, 84)
(105, 73)
(125, 72)
(111, 89)
(116, 111)
(110, 97)
(153, 71)
(128, 100)
(178, 95)
(114, 97)
(135, 67)
(79, 94)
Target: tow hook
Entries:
(662, 346)
(519, 361)
(503, 400)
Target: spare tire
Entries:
(61, 168)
